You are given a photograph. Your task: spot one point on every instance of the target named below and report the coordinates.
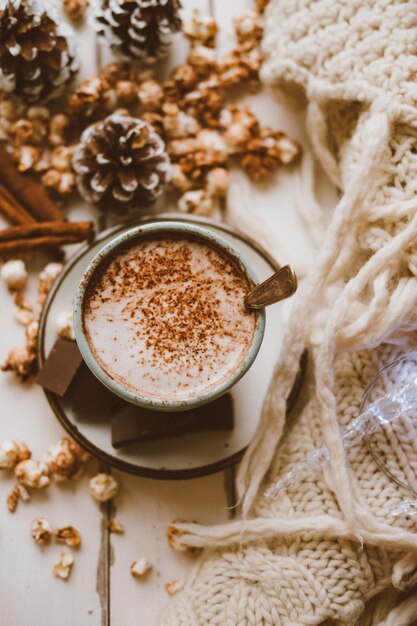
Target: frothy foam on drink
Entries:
(165, 318)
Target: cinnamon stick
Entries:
(80, 230)
(28, 192)
(49, 235)
(12, 210)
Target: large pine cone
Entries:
(139, 29)
(121, 163)
(36, 56)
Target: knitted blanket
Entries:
(328, 551)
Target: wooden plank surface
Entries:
(101, 591)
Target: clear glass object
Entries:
(390, 399)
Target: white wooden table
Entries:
(101, 590)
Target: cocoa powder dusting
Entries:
(182, 304)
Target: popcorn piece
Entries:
(13, 499)
(32, 474)
(62, 569)
(58, 129)
(41, 530)
(172, 92)
(68, 535)
(14, 274)
(86, 98)
(22, 361)
(248, 28)
(126, 92)
(240, 125)
(184, 76)
(18, 492)
(205, 104)
(75, 9)
(46, 278)
(61, 158)
(173, 537)
(202, 59)
(200, 29)
(174, 586)
(27, 132)
(289, 150)
(179, 180)
(213, 143)
(12, 452)
(150, 95)
(218, 182)
(61, 184)
(179, 147)
(115, 526)
(199, 202)
(266, 153)
(178, 124)
(231, 71)
(23, 314)
(27, 157)
(140, 568)
(65, 326)
(66, 459)
(103, 487)
(32, 335)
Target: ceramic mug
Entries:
(158, 229)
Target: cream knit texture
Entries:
(322, 550)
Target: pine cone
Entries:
(121, 163)
(139, 29)
(36, 57)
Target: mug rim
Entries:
(137, 232)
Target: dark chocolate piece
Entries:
(60, 367)
(89, 399)
(137, 424)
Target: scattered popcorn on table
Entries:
(115, 526)
(46, 278)
(14, 274)
(62, 569)
(32, 334)
(200, 28)
(32, 474)
(22, 361)
(174, 586)
(199, 202)
(13, 499)
(23, 314)
(68, 535)
(202, 59)
(173, 537)
(150, 95)
(41, 530)
(66, 459)
(140, 568)
(18, 492)
(65, 326)
(12, 452)
(218, 182)
(103, 487)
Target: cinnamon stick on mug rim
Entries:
(27, 191)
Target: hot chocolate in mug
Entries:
(160, 318)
